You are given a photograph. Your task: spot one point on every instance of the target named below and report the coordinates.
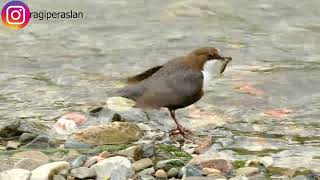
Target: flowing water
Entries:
(57, 66)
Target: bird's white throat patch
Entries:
(210, 69)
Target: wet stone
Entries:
(79, 161)
(12, 145)
(168, 164)
(134, 152)
(41, 142)
(83, 173)
(142, 164)
(189, 170)
(27, 137)
(173, 173)
(148, 150)
(148, 171)
(74, 144)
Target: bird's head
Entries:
(209, 52)
(200, 56)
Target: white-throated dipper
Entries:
(174, 85)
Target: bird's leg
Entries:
(183, 131)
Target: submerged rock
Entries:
(17, 127)
(41, 142)
(27, 137)
(113, 133)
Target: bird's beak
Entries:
(225, 62)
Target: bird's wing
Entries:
(144, 75)
(171, 86)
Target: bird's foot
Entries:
(180, 130)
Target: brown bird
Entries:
(174, 85)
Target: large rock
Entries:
(116, 168)
(15, 174)
(47, 171)
(28, 164)
(113, 133)
(34, 155)
(17, 127)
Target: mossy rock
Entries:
(173, 152)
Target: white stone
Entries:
(117, 168)
(15, 174)
(47, 171)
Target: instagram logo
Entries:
(15, 15)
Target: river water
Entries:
(57, 66)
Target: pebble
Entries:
(27, 137)
(91, 161)
(15, 174)
(168, 164)
(148, 171)
(41, 142)
(79, 161)
(148, 150)
(173, 173)
(28, 164)
(142, 164)
(83, 173)
(12, 145)
(47, 171)
(161, 174)
(117, 167)
(246, 171)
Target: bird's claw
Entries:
(180, 130)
